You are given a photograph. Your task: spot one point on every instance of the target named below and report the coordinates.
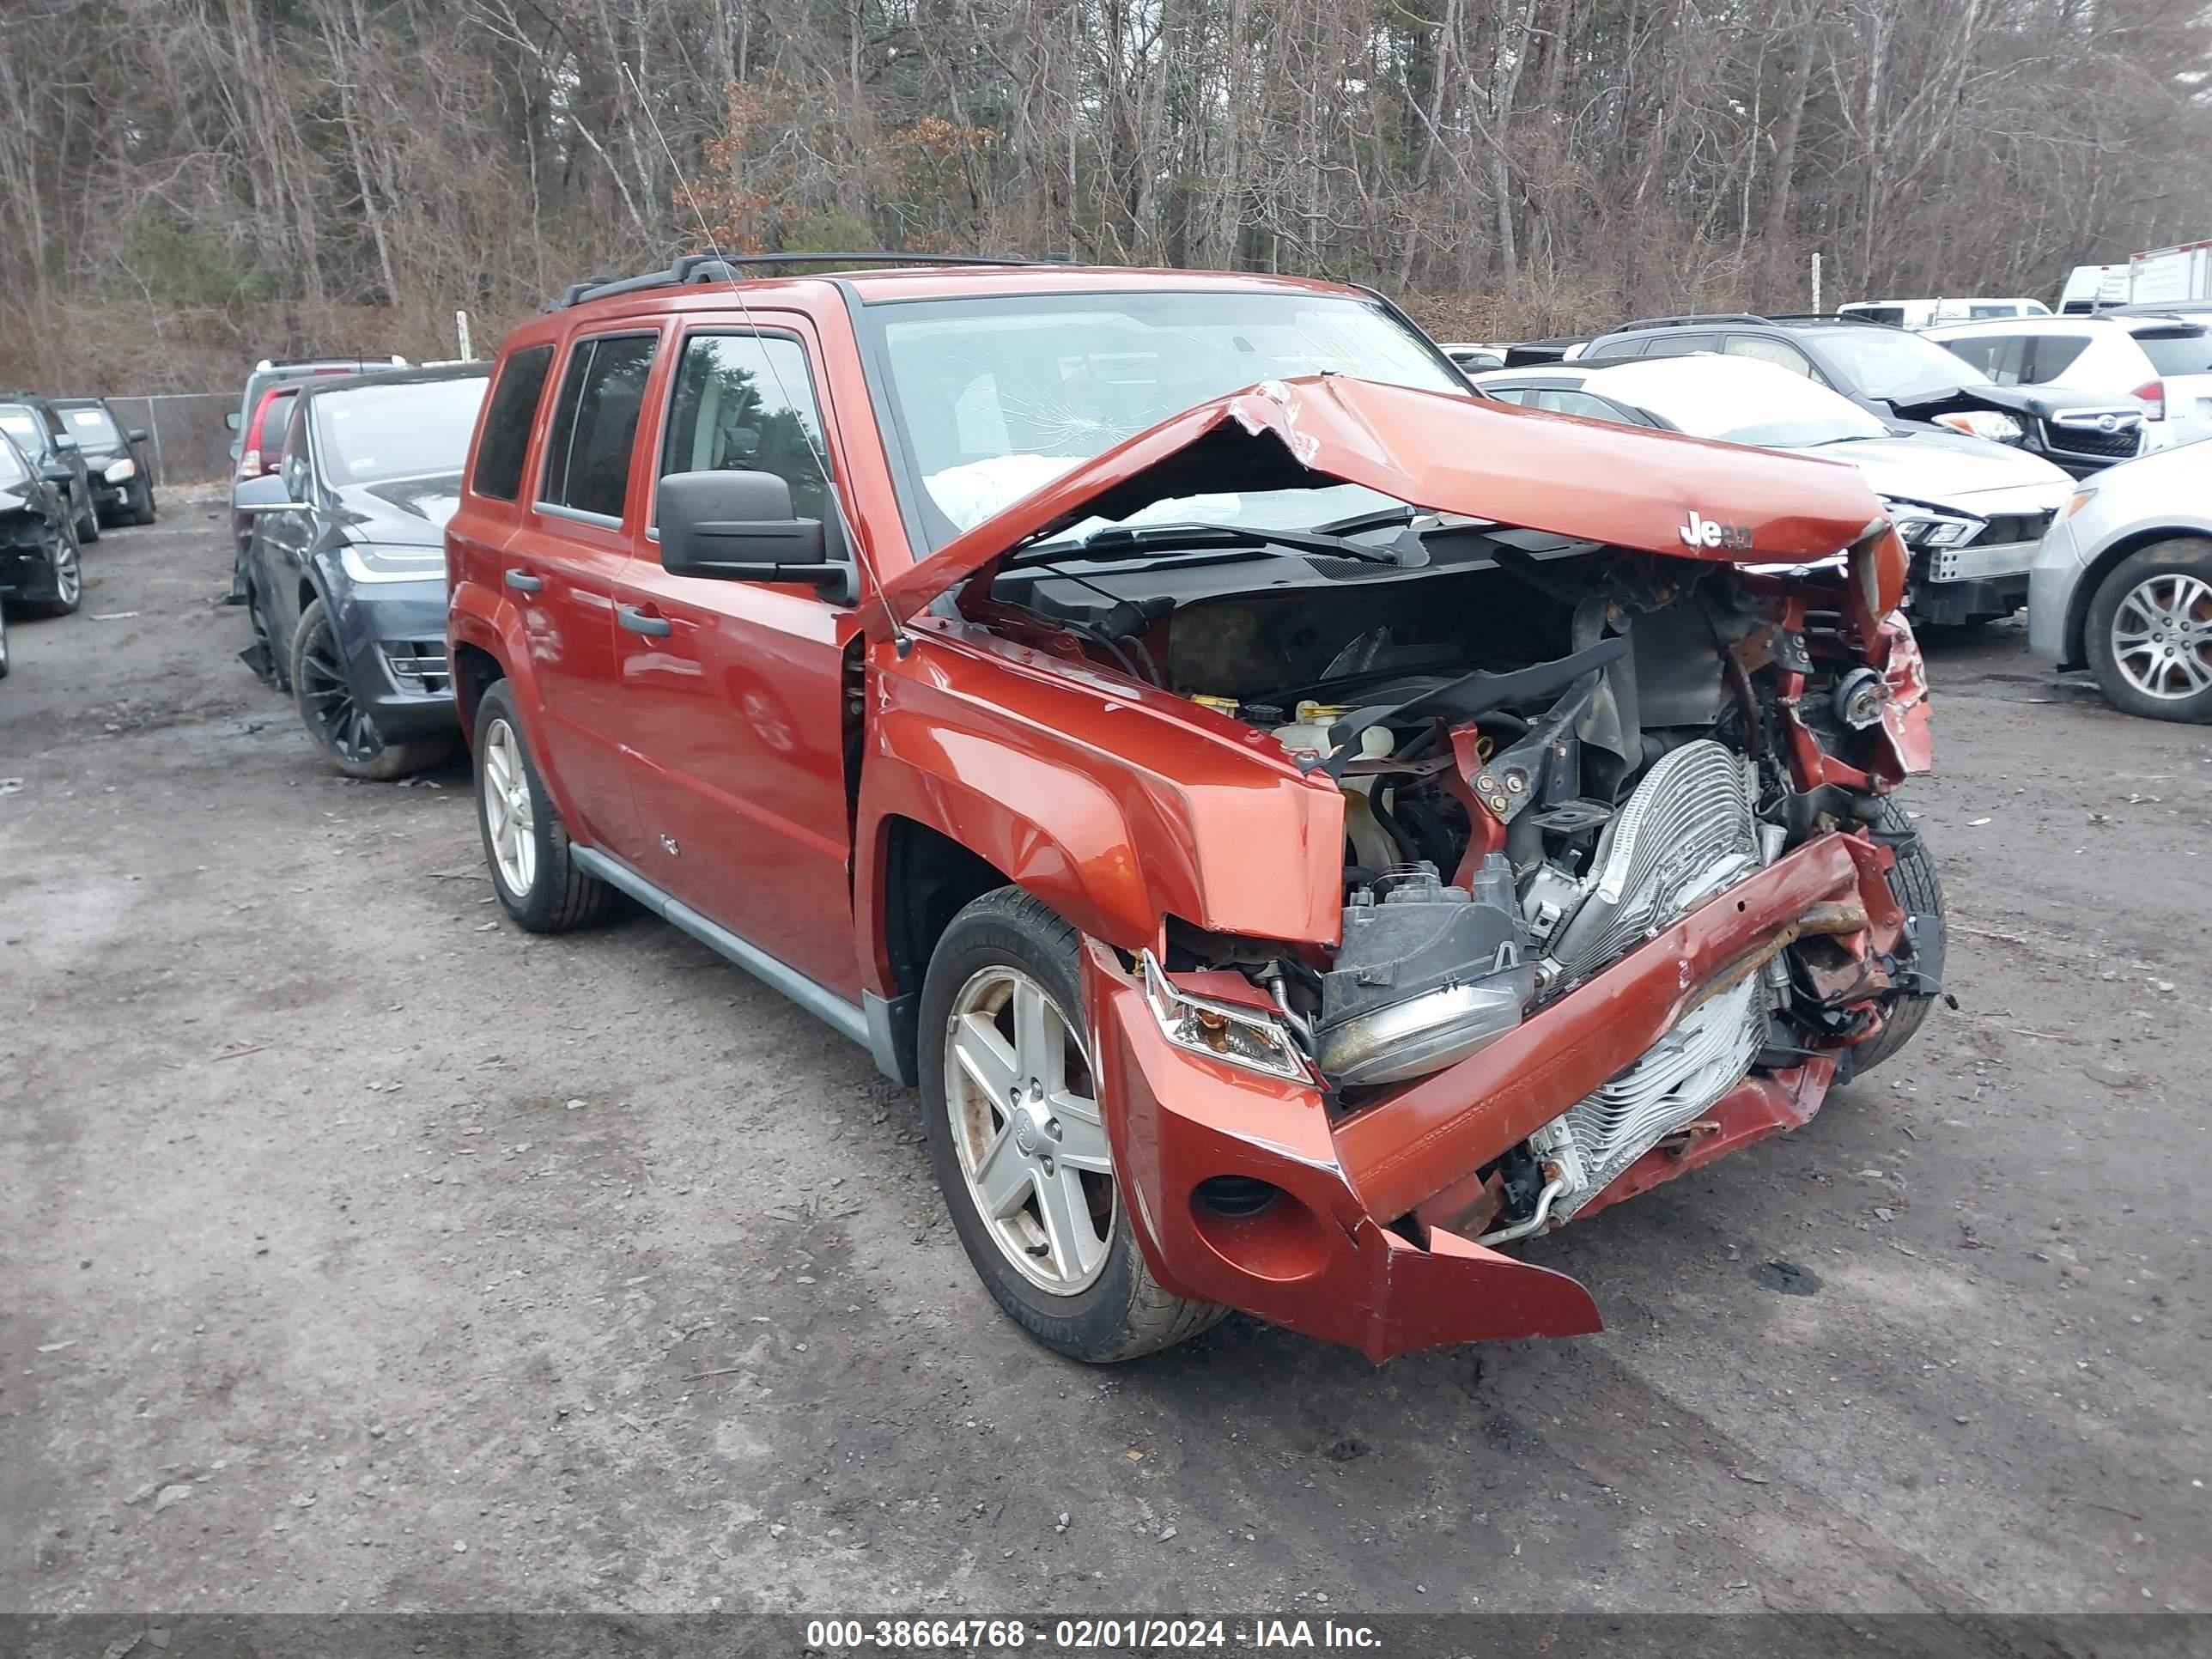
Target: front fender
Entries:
(1116, 804)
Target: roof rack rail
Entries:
(1831, 317)
(698, 268)
(1688, 317)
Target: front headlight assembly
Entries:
(121, 470)
(1922, 527)
(1982, 423)
(1248, 1037)
(366, 563)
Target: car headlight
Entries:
(1920, 526)
(125, 468)
(2075, 503)
(366, 563)
(1982, 423)
(1222, 1030)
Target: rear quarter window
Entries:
(513, 412)
(1681, 345)
(2178, 351)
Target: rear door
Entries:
(563, 565)
(280, 540)
(734, 691)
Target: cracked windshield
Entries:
(998, 397)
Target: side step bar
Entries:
(869, 1023)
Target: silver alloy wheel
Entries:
(508, 815)
(68, 573)
(1027, 1129)
(2162, 636)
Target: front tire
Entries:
(525, 844)
(142, 509)
(1018, 1143)
(1912, 882)
(2149, 633)
(344, 731)
(87, 522)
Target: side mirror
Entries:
(63, 441)
(230, 419)
(137, 435)
(737, 526)
(265, 494)
(55, 473)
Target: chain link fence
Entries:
(187, 441)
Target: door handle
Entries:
(639, 622)
(523, 583)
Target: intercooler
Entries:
(1689, 832)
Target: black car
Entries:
(40, 571)
(40, 433)
(1902, 376)
(346, 573)
(122, 478)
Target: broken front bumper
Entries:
(1334, 1252)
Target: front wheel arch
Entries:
(2093, 578)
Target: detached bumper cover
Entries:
(1323, 1257)
(395, 656)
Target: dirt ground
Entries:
(357, 1251)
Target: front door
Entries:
(733, 690)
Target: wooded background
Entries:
(187, 185)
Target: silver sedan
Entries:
(2121, 585)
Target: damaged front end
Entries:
(1614, 891)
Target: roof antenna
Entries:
(900, 640)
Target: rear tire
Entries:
(1912, 882)
(542, 889)
(2148, 634)
(1004, 955)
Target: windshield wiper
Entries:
(1125, 541)
(1386, 517)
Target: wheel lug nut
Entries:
(1052, 1127)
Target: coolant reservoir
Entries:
(1309, 735)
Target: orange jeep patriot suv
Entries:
(1303, 826)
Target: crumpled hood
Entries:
(404, 512)
(1652, 491)
(1942, 469)
(2034, 401)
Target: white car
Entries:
(1971, 512)
(2163, 362)
(2123, 586)
(1920, 314)
(1473, 355)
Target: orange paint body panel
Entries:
(752, 753)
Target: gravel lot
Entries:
(361, 1251)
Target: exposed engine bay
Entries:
(1548, 751)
